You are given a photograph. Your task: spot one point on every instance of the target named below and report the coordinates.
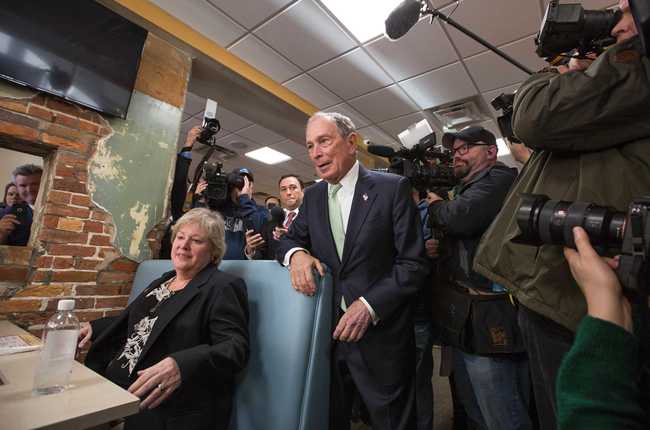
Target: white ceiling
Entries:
(383, 86)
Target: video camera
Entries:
(542, 220)
(568, 27)
(217, 193)
(504, 102)
(416, 164)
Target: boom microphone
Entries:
(403, 18)
(381, 150)
(277, 215)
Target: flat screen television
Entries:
(75, 49)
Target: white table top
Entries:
(91, 400)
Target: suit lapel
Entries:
(364, 197)
(169, 312)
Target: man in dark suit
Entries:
(16, 221)
(262, 245)
(365, 227)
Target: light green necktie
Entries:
(336, 218)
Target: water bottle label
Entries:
(60, 344)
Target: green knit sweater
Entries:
(598, 382)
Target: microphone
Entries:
(277, 215)
(381, 150)
(402, 18)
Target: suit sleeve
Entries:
(228, 350)
(298, 234)
(409, 266)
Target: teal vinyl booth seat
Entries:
(286, 383)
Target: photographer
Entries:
(497, 395)
(590, 130)
(598, 383)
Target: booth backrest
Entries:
(286, 383)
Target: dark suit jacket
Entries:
(205, 331)
(383, 261)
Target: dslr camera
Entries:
(504, 103)
(542, 220)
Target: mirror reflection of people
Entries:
(599, 384)
(15, 227)
(11, 196)
(179, 344)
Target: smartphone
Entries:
(21, 211)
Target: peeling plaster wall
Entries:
(130, 174)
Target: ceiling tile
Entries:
(377, 136)
(493, 22)
(237, 143)
(305, 34)
(491, 71)
(440, 86)
(351, 75)
(204, 18)
(249, 13)
(490, 95)
(345, 109)
(290, 148)
(231, 121)
(384, 104)
(263, 136)
(591, 4)
(193, 104)
(259, 55)
(398, 125)
(307, 88)
(425, 47)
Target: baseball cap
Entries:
(243, 171)
(472, 134)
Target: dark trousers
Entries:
(390, 408)
(547, 342)
(423, 374)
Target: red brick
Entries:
(60, 197)
(44, 261)
(89, 315)
(63, 263)
(93, 227)
(14, 105)
(73, 250)
(61, 131)
(86, 264)
(74, 276)
(26, 319)
(39, 112)
(100, 240)
(13, 273)
(88, 127)
(41, 276)
(106, 277)
(109, 229)
(61, 236)
(111, 302)
(62, 106)
(80, 200)
(64, 143)
(107, 252)
(20, 305)
(123, 265)
(79, 303)
(72, 160)
(69, 184)
(98, 290)
(70, 224)
(52, 290)
(18, 131)
(67, 120)
(15, 255)
(67, 211)
(99, 215)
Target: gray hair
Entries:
(213, 226)
(27, 170)
(342, 122)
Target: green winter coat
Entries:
(591, 133)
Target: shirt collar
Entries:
(349, 181)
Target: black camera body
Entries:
(504, 103)
(542, 220)
(209, 130)
(220, 185)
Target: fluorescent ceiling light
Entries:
(268, 156)
(364, 18)
(502, 148)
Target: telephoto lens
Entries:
(542, 220)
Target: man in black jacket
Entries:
(494, 391)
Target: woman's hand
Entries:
(85, 333)
(596, 277)
(156, 383)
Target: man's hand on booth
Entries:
(156, 383)
(354, 323)
(301, 266)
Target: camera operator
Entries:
(598, 383)
(498, 393)
(590, 130)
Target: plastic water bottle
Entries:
(59, 347)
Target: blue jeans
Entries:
(494, 390)
(423, 373)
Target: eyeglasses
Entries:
(464, 148)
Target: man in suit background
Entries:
(262, 245)
(365, 227)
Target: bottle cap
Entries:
(65, 305)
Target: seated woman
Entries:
(11, 196)
(179, 344)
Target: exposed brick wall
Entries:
(73, 253)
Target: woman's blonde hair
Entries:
(213, 226)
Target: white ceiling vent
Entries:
(461, 114)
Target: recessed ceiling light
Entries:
(364, 18)
(268, 156)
